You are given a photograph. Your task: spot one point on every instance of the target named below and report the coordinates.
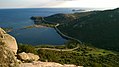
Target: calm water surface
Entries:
(19, 18)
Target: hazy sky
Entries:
(59, 3)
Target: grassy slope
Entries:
(84, 55)
(98, 28)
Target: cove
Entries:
(38, 36)
(19, 18)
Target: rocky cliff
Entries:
(7, 57)
(8, 41)
(8, 49)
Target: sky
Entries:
(59, 3)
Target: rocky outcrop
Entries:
(8, 41)
(28, 56)
(7, 57)
(46, 64)
(8, 49)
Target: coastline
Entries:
(65, 36)
(59, 32)
(33, 26)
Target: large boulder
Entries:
(7, 57)
(8, 41)
(46, 64)
(28, 56)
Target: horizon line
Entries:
(45, 7)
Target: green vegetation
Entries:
(70, 44)
(51, 46)
(48, 25)
(83, 55)
(91, 60)
(59, 18)
(26, 48)
(99, 28)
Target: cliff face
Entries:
(8, 41)
(7, 57)
(8, 49)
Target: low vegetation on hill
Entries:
(81, 56)
(99, 28)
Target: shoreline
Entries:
(33, 26)
(65, 36)
(60, 33)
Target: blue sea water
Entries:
(19, 18)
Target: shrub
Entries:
(26, 48)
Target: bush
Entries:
(26, 48)
(71, 44)
(65, 57)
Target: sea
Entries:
(19, 18)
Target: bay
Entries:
(19, 18)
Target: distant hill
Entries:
(65, 18)
(99, 28)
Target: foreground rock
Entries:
(28, 56)
(46, 64)
(8, 49)
(8, 41)
(7, 57)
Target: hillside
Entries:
(99, 28)
(96, 29)
(81, 55)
